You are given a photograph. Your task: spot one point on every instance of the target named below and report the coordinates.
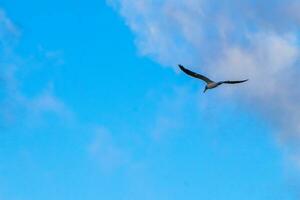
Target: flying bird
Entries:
(209, 83)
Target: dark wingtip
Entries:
(180, 66)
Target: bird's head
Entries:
(205, 89)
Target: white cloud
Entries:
(229, 39)
(270, 62)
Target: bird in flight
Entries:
(209, 83)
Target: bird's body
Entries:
(212, 85)
(209, 83)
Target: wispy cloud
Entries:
(56, 57)
(7, 28)
(16, 104)
(169, 117)
(105, 150)
(229, 39)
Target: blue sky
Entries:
(91, 111)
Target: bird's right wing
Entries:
(195, 75)
(234, 82)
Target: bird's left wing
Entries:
(195, 75)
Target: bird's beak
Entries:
(204, 90)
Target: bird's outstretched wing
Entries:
(195, 75)
(234, 82)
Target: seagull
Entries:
(209, 83)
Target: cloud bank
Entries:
(229, 39)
